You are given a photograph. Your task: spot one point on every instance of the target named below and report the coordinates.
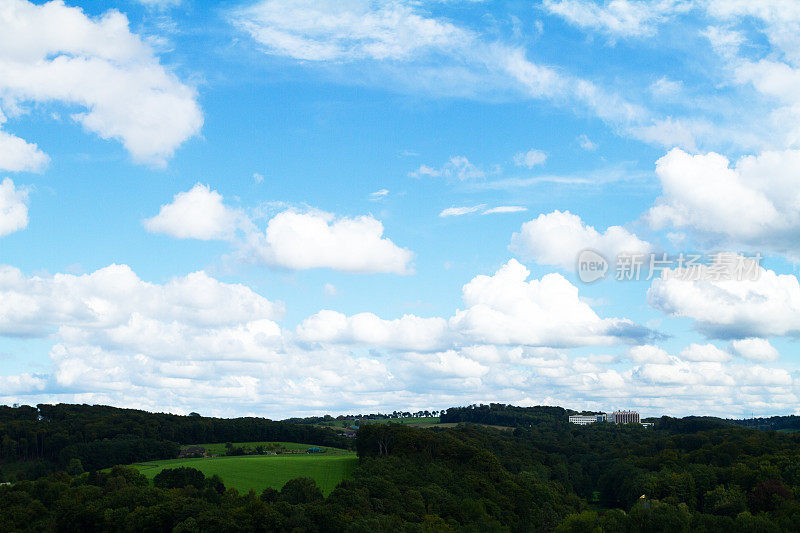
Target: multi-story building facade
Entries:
(625, 417)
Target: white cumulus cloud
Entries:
(199, 213)
(755, 349)
(705, 352)
(755, 203)
(55, 53)
(726, 304)
(316, 239)
(17, 155)
(557, 238)
(506, 308)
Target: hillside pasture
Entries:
(258, 472)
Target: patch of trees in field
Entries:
(42, 439)
(498, 414)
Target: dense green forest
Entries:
(696, 474)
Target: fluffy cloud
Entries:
(754, 349)
(13, 208)
(733, 297)
(705, 353)
(22, 383)
(55, 53)
(292, 239)
(617, 18)
(114, 297)
(701, 373)
(754, 203)
(321, 240)
(195, 214)
(647, 353)
(507, 309)
(17, 155)
(557, 238)
(530, 159)
(684, 375)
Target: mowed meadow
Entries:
(258, 472)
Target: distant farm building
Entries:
(192, 451)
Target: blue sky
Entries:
(290, 207)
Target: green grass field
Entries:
(258, 471)
(219, 448)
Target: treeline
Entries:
(498, 414)
(36, 440)
(772, 423)
(327, 419)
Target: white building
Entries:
(583, 420)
